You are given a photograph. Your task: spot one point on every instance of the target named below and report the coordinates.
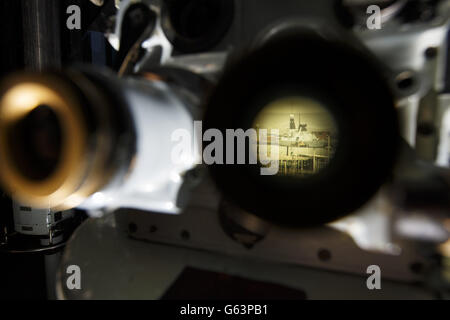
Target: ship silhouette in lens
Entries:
(300, 136)
(304, 150)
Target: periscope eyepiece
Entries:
(337, 130)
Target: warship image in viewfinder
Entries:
(306, 139)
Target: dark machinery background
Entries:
(34, 37)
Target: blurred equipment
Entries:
(38, 222)
(100, 153)
(363, 136)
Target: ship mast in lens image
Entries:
(307, 135)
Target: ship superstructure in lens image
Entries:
(307, 135)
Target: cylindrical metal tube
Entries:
(91, 140)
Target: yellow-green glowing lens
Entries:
(304, 132)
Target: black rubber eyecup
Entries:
(351, 87)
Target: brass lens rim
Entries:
(20, 95)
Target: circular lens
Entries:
(338, 129)
(35, 142)
(196, 25)
(303, 131)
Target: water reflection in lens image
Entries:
(306, 138)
